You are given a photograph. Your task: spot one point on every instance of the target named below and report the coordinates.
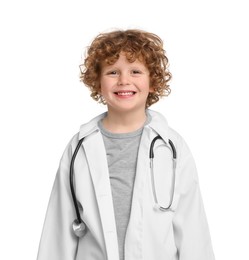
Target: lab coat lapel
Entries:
(134, 234)
(96, 157)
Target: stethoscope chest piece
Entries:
(79, 228)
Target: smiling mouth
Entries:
(125, 93)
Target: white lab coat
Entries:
(179, 234)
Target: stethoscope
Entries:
(79, 227)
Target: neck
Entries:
(124, 122)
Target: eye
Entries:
(112, 72)
(136, 72)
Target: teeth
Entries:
(125, 93)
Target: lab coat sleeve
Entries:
(57, 240)
(191, 230)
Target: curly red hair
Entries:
(136, 44)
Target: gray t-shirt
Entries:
(121, 152)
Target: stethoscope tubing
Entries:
(71, 179)
(151, 156)
(78, 224)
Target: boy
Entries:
(130, 207)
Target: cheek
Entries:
(106, 84)
(147, 83)
(103, 86)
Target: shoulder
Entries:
(85, 130)
(160, 125)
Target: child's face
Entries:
(125, 86)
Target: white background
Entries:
(42, 103)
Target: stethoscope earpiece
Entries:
(79, 228)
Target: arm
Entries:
(58, 241)
(191, 230)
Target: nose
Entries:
(123, 79)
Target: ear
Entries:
(99, 88)
(151, 90)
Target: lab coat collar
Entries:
(91, 126)
(158, 124)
